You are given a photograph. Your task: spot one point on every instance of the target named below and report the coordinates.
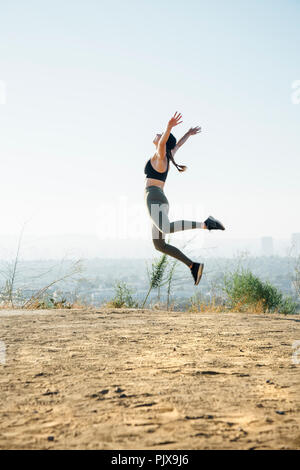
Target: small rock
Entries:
(50, 393)
(50, 438)
(242, 431)
(280, 412)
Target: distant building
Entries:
(267, 248)
(296, 243)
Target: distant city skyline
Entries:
(70, 246)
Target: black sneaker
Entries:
(213, 224)
(196, 271)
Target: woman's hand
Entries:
(174, 121)
(194, 130)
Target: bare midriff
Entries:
(153, 181)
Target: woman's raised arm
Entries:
(161, 147)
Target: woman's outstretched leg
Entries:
(158, 208)
(159, 214)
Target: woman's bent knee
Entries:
(159, 244)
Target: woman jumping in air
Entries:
(156, 170)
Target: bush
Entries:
(288, 306)
(123, 297)
(48, 301)
(246, 291)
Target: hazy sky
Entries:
(89, 84)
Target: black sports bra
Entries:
(150, 172)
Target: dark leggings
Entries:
(158, 208)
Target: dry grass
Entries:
(240, 307)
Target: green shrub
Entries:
(288, 306)
(246, 291)
(123, 297)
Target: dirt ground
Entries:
(142, 379)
